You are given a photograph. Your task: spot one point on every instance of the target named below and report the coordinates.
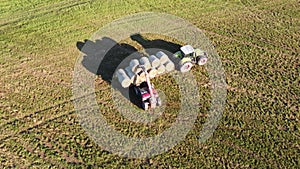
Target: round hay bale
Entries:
(145, 62)
(130, 74)
(155, 62)
(123, 78)
(134, 66)
(142, 76)
(169, 65)
(161, 69)
(152, 73)
(133, 63)
(162, 57)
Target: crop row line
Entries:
(54, 8)
(42, 113)
(249, 44)
(29, 148)
(34, 125)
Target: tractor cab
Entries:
(187, 51)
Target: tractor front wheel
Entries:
(201, 60)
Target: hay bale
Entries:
(169, 66)
(134, 66)
(130, 74)
(144, 61)
(155, 62)
(152, 73)
(162, 57)
(161, 69)
(123, 78)
(142, 76)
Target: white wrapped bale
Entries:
(133, 63)
(161, 69)
(162, 57)
(142, 76)
(130, 74)
(169, 66)
(123, 78)
(155, 62)
(145, 62)
(139, 80)
(152, 73)
(134, 66)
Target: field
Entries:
(258, 44)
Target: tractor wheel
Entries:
(137, 92)
(201, 60)
(145, 105)
(185, 67)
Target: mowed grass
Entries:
(258, 43)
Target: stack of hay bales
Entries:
(154, 64)
(165, 62)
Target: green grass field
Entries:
(258, 43)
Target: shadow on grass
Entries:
(102, 57)
(105, 55)
(154, 46)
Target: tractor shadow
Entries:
(153, 46)
(104, 56)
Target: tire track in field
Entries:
(33, 125)
(29, 148)
(255, 11)
(258, 40)
(19, 14)
(32, 62)
(62, 153)
(47, 10)
(276, 52)
(261, 14)
(260, 96)
(271, 6)
(34, 113)
(30, 10)
(47, 143)
(40, 114)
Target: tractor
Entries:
(189, 56)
